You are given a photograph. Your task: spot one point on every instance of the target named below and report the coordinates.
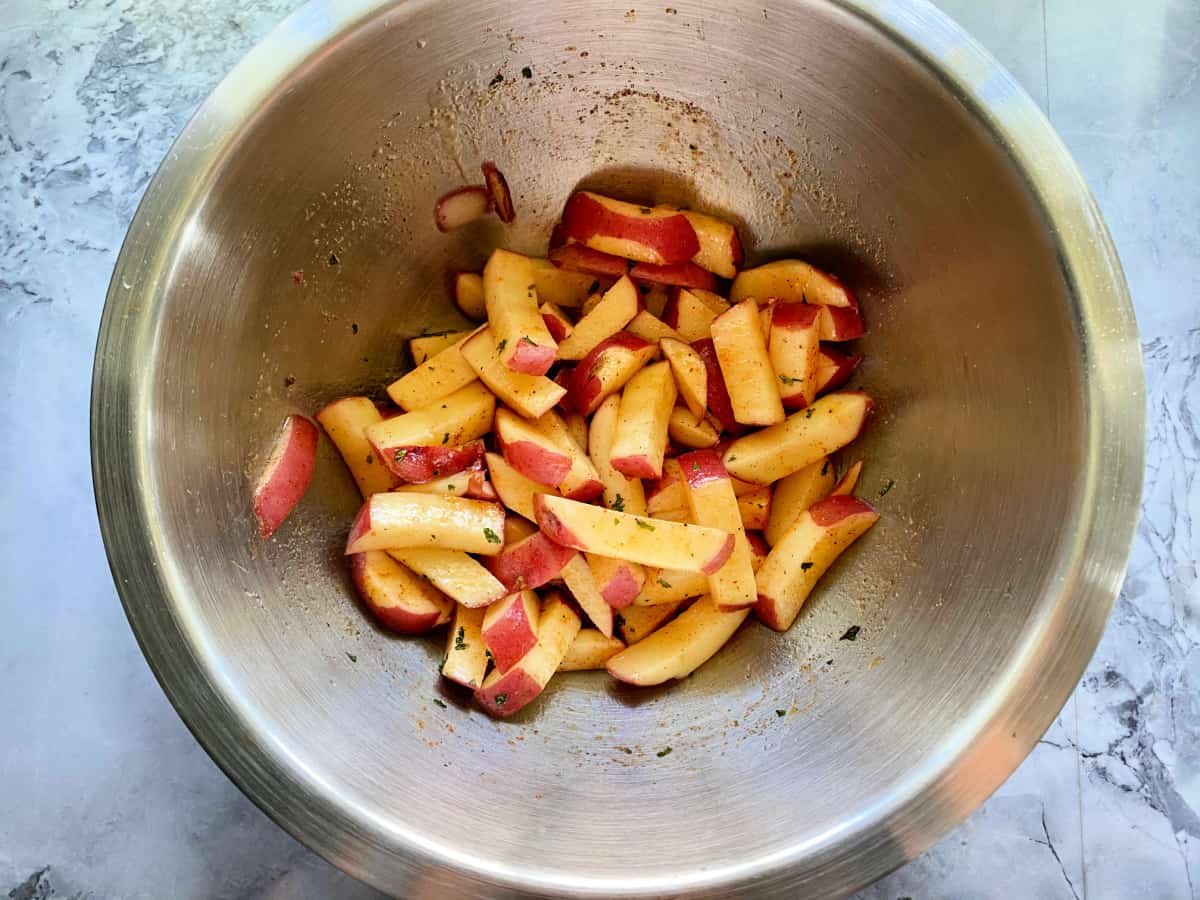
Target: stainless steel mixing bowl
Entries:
(872, 137)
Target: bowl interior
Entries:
(307, 255)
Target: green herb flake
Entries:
(731, 459)
(450, 489)
(695, 467)
(501, 345)
(459, 642)
(618, 503)
(663, 583)
(808, 413)
(352, 657)
(641, 523)
(501, 699)
(400, 454)
(665, 751)
(492, 537)
(788, 379)
(616, 521)
(526, 339)
(439, 702)
(781, 713)
(887, 487)
(446, 438)
(805, 566)
(851, 634)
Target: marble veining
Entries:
(103, 793)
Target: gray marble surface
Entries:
(103, 792)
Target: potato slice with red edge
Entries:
(577, 576)
(461, 206)
(720, 248)
(515, 490)
(713, 503)
(398, 599)
(805, 552)
(457, 419)
(678, 648)
(501, 196)
(668, 491)
(530, 395)
(649, 328)
(686, 275)
(557, 323)
(614, 310)
(424, 346)
(577, 427)
(467, 290)
(746, 367)
(621, 492)
(510, 628)
(643, 421)
(562, 287)
(717, 394)
(418, 465)
(286, 475)
(510, 292)
(684, 429)
(665, 586)
(531, 451)
(590, 650)
(849, 480)
(401, 520)
(691, 376)
(456, 574)
(639, 622)
(834, 368)
(791, 281)
(759, 549)
(466, 658)
(804, 437)
(841, 323)
(581, 481)
(607, 368)
(651, 542)
(503, 693)
(618, 580)
(689, 315)
(794, 347)
(586, 261)
(346, 422)
(471, 482)
(529, 562)
(795, 493)
(437, 377)
(755, 507)
(658, 235)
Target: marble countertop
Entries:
(104, 793)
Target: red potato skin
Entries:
(717, 561)
(586, 492)
(622, 589)
(737, 254)
(552, 526)
(687, 274)
(836, 507)
(360, 526)
(758, 544)
(479, 486)
(501, 196)
(294, 457)
(634, 467)
(535, 462)
(578, 258)
(702, 466)
(563, 379)
(531, 359)
(794, 315)
(517, 688)
(719, 403)
(672, 237)
(511, 636)
(557, 329)
(443, 203)
(394, 618)
(529, 563)
(418, 465)
(586, 390)
(834, 369)
(842, 323)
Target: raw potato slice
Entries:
(666, 586)
(742, 353)
(684, 429)
(560, 287)
(829, 424)
(643, 421)
(834, 368)
(398, 599)
(713, 503)
(718, 396)
(616, 308)
(530, 451)
(577, 426)
(400, 520)
(689, 315)
(503, 693)
(690, 373)
(651, 542)
(581, 481)
(454, 573)
(426, 345)
(436, 378)
(346, 422)
(622, 493)
(796, 493)
(720, 249)
(755, 507)
(590, 650)
(510, 628)
(466, 656)
(286, 475)
(804, 554)
(686, 275)
(607, 368)
(529, 562)
(794, 348)
(467, 288)
(530, 395)
(471, 482)
(639, 622)
(790, 281)
(848, 481)
(522, 339)
(515, 490)
(679, 648)
(559, 326)
(459, 418)
(649, 328)
(658, 235)
(577, 576)
(617, 580)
